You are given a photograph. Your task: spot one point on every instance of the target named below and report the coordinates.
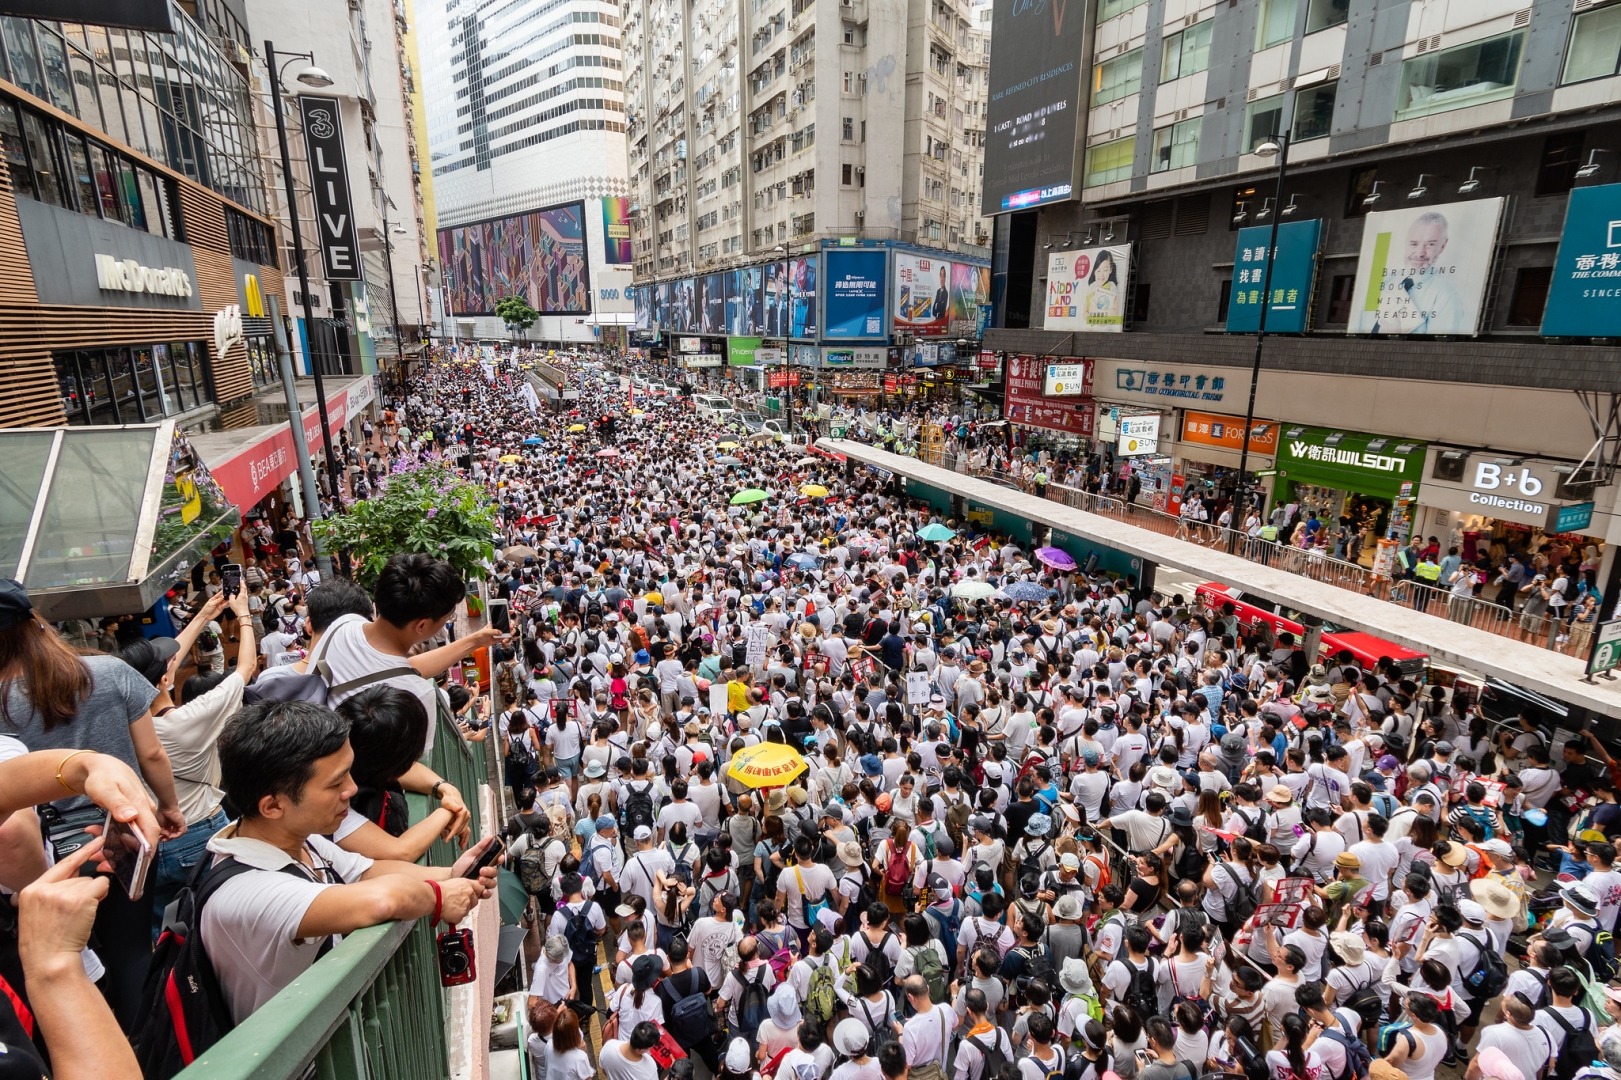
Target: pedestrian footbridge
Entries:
(1454, 644)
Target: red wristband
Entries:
(438, 902)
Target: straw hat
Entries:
(1280, 796)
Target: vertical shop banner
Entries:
(970, 292)
(922, 293)
(1586, 285)
(856, 282)
(1026, 404)
(616, 249)
(1424, 270)
(1086, 289)
(1294, 277)
(329, 180)
(802, 297)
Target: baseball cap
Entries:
(642, 833)
(1471, 911)
(606, 822)
(1387, 762)
(15, 606)
(1498, 846)
(1069, 861)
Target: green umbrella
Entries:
(513, 898)
(750, 495)
(934, 532)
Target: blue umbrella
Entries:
(803, 560)
(533, 440)
(1026, 590)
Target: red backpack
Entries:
(898, 871)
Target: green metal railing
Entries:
(372, 1008)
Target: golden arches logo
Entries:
(255, 306)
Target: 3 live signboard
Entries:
(1026, 404)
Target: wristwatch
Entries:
(436, 787)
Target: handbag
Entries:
(813, 908)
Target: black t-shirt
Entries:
(672, 988)
(1018, 815)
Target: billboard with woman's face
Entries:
(1086, 289)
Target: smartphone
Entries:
(231, 579)
(490, 856)
(130, 854)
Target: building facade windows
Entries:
(1177, 146)
(132, 384)
(1595, 45)
(1314, 112)
(1262, 119)
(1275, 24)
(1459, 77)
(1187, 53)
(1108, 9)
(1117, 78)
(1110, 161)
(1321, 14)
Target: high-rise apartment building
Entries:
(525, 107)
(758, 123)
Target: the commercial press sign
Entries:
(329, 179)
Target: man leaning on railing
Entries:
(286, 766)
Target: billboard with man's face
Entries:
(1423, 270)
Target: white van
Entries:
(713, 407)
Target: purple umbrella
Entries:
(1057, 558)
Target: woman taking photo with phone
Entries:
(57, 699)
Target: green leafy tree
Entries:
(423, 507)
(516, 313)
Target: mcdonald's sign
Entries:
(253, 298)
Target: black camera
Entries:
(456, 966)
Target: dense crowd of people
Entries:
(812, 781)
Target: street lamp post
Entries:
(1277, 146)
(310, 76)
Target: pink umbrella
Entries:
(1057, 558)
(611, 452)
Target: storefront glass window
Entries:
(42, 156)
(54, 56)
(84, 88)
(181, 361)
(69, 387)
(11, 144)
(22, 59)
(86, 532)
(146, 374)
(199, 370)
(165, 376)
(79, 166)
(93, 372)
(123, 379)
(130, 195)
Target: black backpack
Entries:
(582, 936)
(183, 1011)
(1242, 906)
(991, 1055)
(752, 1003)
(1037, 968)
(1579, 1050)
(878, 960)
(593, 605)
(1143, 993)
(1490, 974)
(1190, 865)
(688, 1017)
(1253, 830)
(638, 805)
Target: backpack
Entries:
(683, 866)
(1190, 865)
(1579, 1049)
(532, 869)
(1253, 830)
(582, 937)
(957, 823)
(1030, 862)
(315, 685)
(1366, 1003)
(1390, 1032)
(1143, 993)
(898, 871)
(638, 806)
(929, 849)
(946, 924)
(882, 1033)
(820, 998)
(1242, 906)
(752, 1002)
(926, 962)
(182, 1005)
(593, 605)
(689, 1019)
(1357, 1056)
(1490, 974)
(1038, 968)
(991, 1055)
(878, 960)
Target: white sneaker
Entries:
(1561, 639)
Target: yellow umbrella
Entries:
(508, 459)
(636, 412)
(727, 445)
(576, 427)
(814, 491)
(766, 765)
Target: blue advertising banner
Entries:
(1587, 273)
(855, 283)
(1293, 277)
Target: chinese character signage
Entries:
(1208, 429)
(1071, 378)
(1086, 289)
(1294, 275)
(1026, 404)
(1171, 381)
(855, 293)
(922, 293)
(1582, 298)
(1139, 435)
(1350, 460)
(1423, 270)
